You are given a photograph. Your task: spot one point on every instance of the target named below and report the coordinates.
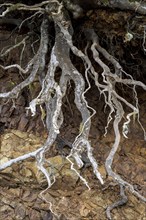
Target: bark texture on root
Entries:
(52, 91)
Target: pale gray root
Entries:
(120, 202)
(2, 54)
(138, 7)
(114, 101)
(34, 64)
(22, 7)
(19, 159)
(52, 92)
(64, 45)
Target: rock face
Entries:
(23, 188)
(15, 144)
(24, 193)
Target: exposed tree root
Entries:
(120, 202)
(53, 92)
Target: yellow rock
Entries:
(3, 160)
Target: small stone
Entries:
(6, 147)
(20, 212)
(84, 211)
(3, 160)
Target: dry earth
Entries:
(22, 186)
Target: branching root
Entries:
(52, 92)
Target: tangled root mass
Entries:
(53, 92)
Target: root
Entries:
(120, 202)
(53, 92)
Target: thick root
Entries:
(52, 93)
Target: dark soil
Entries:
(22, 200)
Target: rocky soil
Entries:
(24, 193)
(23, 189)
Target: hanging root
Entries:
(52, 92)
(120, 202)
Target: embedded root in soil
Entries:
(53, 92)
